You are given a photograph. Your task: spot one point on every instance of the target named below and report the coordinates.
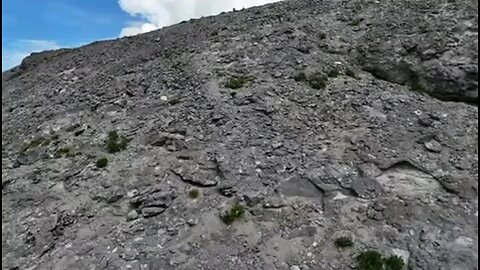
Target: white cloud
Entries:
(158, 13)
(14, 54)
(136, 28)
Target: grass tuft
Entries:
(236, 82)
(65, 151)
(115, 143)
(40, 141)
(236, 212)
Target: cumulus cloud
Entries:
(153, 14)
(14, 54)
(136, 28)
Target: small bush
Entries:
(236, 82)
(46, 142)
(343, 242)
(333, 72)
(370, 260)
(317, 80)
(113, 135)
(235, 213)
(373, 260)
(102, 163)
(40, 141)
(62, 151)
(300, 77)
(394, 263)
(115, 143)
(194, 193)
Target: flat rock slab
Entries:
(196, 174)
(301, 188)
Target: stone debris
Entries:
(382, 145)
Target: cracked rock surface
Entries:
(363, 157)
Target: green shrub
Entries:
(343, 242)
(62, 151)
(373, 260)
(46, 142)
(236, 82)
(317, 80)
(370, 260)
(333, 72)
(102, 163)
(235, 213)
(40, 141)
(300, 77)
(394, 263)
(194, 193)
(115, 143)
(113, 135)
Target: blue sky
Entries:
(37, 25)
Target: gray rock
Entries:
(426, 122)
(252, 200)
(226, 191)
(191, 222)
(114, 196)
(132, 215)
(357, 157)
(153, 201)
(152, 211)
(16, 163)
(160, 199)
(31, 156)
(366, 188)
(196, 174)
(274, 202)
(433, 146)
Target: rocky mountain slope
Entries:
(296, 135)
